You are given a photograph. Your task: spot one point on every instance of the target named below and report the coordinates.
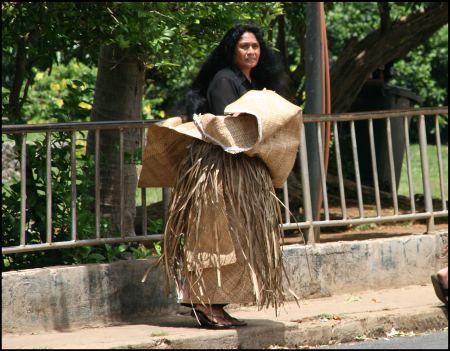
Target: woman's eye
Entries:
(247, 46)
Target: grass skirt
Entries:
(223, 233)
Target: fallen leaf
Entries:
(353, 299)
(325, 316)
(393, 333)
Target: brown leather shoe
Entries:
(211, 321)
(236, 322)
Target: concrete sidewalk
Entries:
(339, 318)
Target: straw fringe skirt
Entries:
(222, 237)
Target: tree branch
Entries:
(358, 61)
(281, 39)
(25, 93)
(385, 17)
(299, 72)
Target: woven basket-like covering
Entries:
(268, 127)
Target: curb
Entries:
(361, 327)
(311, 332)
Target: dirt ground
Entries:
(378, 231)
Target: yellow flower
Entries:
(39, 76)
(162, 114)
(59, 102)
(55, 87)
(84, 105)
(83, 143)
(147, 109)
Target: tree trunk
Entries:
(360, 59)
(118, 96)
(15, 115)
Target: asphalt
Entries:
(319, 321)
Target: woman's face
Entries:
(247, 52)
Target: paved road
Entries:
(436, 340)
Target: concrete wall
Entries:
(342, 267)
(63, 298)
(66, 297)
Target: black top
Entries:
(228, 85)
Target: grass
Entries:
(416, 171)
(152, 195)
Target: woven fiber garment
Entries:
(268, 128)
(222, 237)
(223, 234)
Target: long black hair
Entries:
(268, 73)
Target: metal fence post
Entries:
(305, 187)
(425, 173)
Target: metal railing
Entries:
(73, 128)
(308, 222)
(406, 115)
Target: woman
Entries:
(242, 61)
(222, 236)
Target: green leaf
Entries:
(122, 248)
(96, 257)
(78, 83)
(123, 43)
(6, 262)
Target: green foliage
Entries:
(96, 254)
(109, 253)
(56, 32)
(424, 70)
(61, 208)
(348, 21)
(36, 218)
(158, 247)
(112, 252)
(156, 226)
(87, 254)
(66, 95)
(141, 252)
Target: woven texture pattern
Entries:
(222, 238)
(268, 127)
